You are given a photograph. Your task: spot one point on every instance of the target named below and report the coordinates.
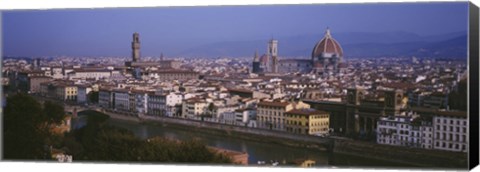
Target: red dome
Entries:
(327, 45)
(264, 59)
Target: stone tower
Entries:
(393, 99)
(355, 95)
(256, 63)
(274, 64)
(273, 53)
(272, 47)
(36, 63)
(136, 47)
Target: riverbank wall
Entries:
(412, 156)
(255, 134)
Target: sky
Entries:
(108, 32)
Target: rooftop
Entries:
(306, 112)
(275, 104)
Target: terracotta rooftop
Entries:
(306, 112)
(174, 71)
(240, 90)
(275, 104)
(460, 114)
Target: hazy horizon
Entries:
(171, 30)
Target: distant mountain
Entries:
(229, 49)
(380, 49)
(456, 47)
(354, 44)
(451, 48)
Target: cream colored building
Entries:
(307, 121)
(89, 74)
(194, 107)
(271, 115)
(67, 92)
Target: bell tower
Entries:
(273, 53)
(136, 47)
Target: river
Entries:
(257, 151)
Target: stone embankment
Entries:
(256, 134)
(414, 156)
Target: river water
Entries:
(257, 151)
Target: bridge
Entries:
(69, 107)
(74, 109)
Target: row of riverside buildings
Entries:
(295, 117)
(445, 130)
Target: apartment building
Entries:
(307, 121)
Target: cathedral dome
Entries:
(264, 59)
(327, 47)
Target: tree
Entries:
(24, 128)
(54, 113)
(211, 107)
(458, 99)
(93, 96)
(27, 126)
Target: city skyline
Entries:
(329, 86)
(106, 32)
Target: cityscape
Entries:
(294, 101)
